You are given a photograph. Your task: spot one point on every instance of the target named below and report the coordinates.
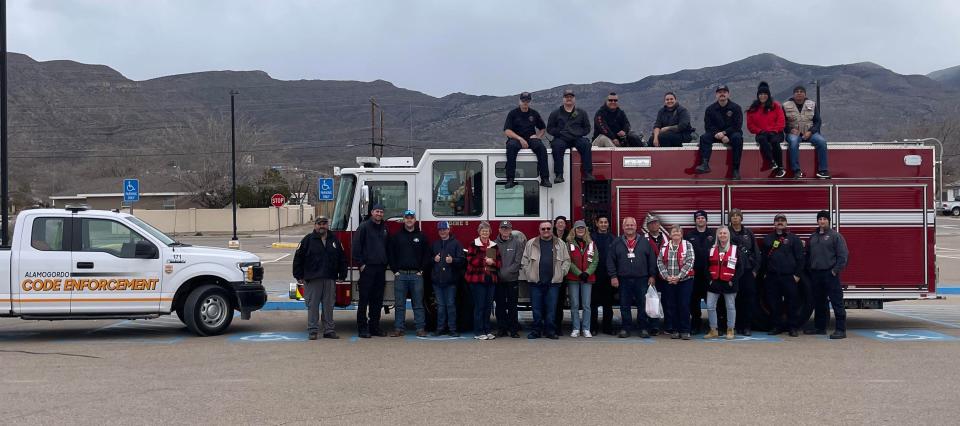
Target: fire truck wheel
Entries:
(208, 310)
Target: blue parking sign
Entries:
(131, 190)
(325, 188)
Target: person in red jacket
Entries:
(584, 259)
(726, 268)
(765, 119)
(483, 265)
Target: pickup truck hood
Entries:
(200, 253)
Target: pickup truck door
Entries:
(110, 277)
(41, 266)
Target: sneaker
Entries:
(712, 334)
(730, 335)
(545, 182)
(515, 335)
(312, 336)
(675, 336)
(736, 175)
(491, 336)
(575, 333)
(533, 335)
(623, 334)
(510, 184)
(587, 334)
(823, 174)
(779, 172)
(396, 333)
(558, 179)
(702, 168)
(644, 334)
(421, 333)
(812, 331)
(480, 337)
(685, 336)
(838, 334)
(588, 177)
(331, 335)
(798, 174)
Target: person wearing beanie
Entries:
(827, 256)
(765, 120)
(672, 127)
(524, 130)
(723, 123)
(584, 259)
(369, 249)
(783, 263)
(701, 238)
(803, 122)
(653, 232)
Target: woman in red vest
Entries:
(584, 259)
(675, 262)
(725, 270)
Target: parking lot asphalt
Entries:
(898, 365)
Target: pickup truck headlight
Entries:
(252, 271)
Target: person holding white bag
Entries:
(725, 271)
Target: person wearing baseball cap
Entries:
(507, 292)
(524, 130)
(318, 262)
(569, 127)
(448, 261)
(701, 238)
(722, 123)
(584, 260)
(827, 256)
(369, 250)
(783, 257)
(409, 254)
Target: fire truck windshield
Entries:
(344, 202)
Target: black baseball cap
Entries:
(568, 92)
(526, 96)
(321, 219)
(722, 87)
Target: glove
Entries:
(584, 276)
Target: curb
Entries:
(285, 245)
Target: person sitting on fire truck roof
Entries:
(524, 128)
(611, 128)
(803, 124)
(722, 122)
(569, 127)
(672, 127)
(765, 120)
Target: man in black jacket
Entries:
(611, 127)
(783, 262)
(569, 127)
(409, 254)
(632, 266)
(722, 122)
(747, 295)
(672, 127)
(524, 128)
(370, 252)
(827, 256)
(701, 238)
(602, 292)
(319, 261)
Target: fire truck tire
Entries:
(208, 310)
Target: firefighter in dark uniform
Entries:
(702, 239)
(370, 252)
(782, 264)
(827, 256)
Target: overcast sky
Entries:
(480, 47)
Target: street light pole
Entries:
(4, 165)
(233, 162)
(938, 184)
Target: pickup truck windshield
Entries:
(153, 231)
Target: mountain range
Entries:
(63, 111)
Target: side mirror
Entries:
(145, 250)
(364, 200)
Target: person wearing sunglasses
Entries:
(611, 128)
(545, 263)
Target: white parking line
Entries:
(277, 259)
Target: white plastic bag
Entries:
(652, 305)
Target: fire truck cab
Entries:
(881, 198)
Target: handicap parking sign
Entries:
(905, 335)
(325, 187)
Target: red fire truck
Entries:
(881, 197)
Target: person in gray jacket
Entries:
(827, 256)
(632, 266)
(569, 127)
(511, 245)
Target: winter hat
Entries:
(699, 213)
(824, 214)
(763, 88)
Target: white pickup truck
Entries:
(90, 264)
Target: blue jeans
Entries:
(730, 301)
(482, 303)
(827, 286)
(579, 293)
(543, 297)
(514, 147)
(819, 145)
(676, 304)
(582, 145)
(633, 292)
(413, 283)
(446, 306)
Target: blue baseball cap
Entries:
(409, 213)
(443, 224)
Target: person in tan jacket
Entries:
(546, 261)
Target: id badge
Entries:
(631, 255)
(731, 263)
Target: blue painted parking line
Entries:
(948, 290)
(270, 337)
(742, 339)
(294, 305)
(16, 335)
(905, 335)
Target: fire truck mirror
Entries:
(364, 198)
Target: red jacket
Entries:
(582, 257)
(759, 120)
(477, 269)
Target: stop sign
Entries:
(277, 200)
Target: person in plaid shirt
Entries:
(675, 262)
(483, 264)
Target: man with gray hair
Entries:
(632, 267)
(546, 261)
(319, 261)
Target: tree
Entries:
(258, 194)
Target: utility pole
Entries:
(374, 108)
(234, 243)
(4, 165)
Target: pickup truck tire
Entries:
(208, 310)
(181, 315)
(955, 211)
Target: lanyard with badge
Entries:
(631, 245)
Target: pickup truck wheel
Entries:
(208, 310)
(955, 211)
(181, 315)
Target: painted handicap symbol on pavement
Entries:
(744, 339)
(270, 336)
(444, 338)
(906, 335)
